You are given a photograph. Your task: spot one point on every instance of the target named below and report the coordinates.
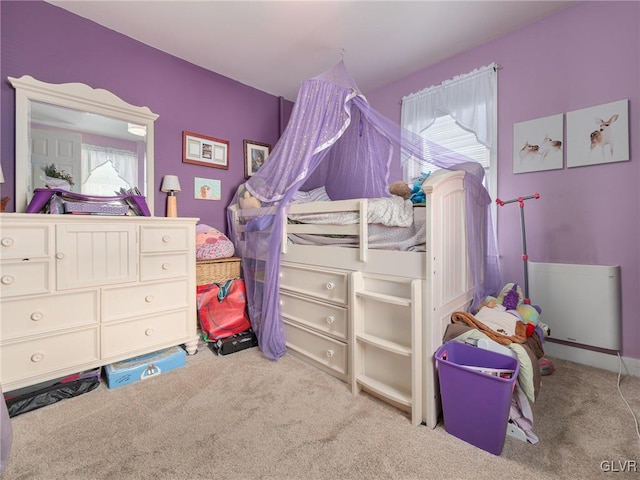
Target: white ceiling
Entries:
(275, 45)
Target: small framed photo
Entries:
(207, 151)
(255, 154)
(207, 189)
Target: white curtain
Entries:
(125, 162)
(470, 99)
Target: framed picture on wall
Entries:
(597, 135)
(207, 151)
(207, 189)
(255, 154)
(537, 145)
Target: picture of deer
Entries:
(603, 136)
(529, 152)
(550, 147)
(534, 146)
(608, 143)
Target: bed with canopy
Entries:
(370, 315)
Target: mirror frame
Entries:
(77, 96)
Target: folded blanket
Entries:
(519, 329)
(501, 321)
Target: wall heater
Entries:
(580, 303)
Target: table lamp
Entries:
(171, 185)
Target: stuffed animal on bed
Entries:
(401, 189)
(415, 193)
(246, 200)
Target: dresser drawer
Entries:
(25, 278)
(40, 356)
(119, 303)
(140, 335)
(41, 314)
(323, 284)
(322, 350)
(165, 239)
(325, 317)
(20, 242)
(168, 265)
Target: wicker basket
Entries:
(218, 270)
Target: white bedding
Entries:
(394, 224)
(389, 211)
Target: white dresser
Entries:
(77, 292)
(363, 328)
(315, 308)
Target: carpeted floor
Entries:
(241, 416)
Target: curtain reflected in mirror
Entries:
(84, 152)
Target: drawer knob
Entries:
(149, 331)
(36, 316)
(166, 266)
(148, 298)
(331, 319)
(59, 256)
(7, 242)
(330, 353)
(7, 280)
(330, 286)
(37, 357)
(166, 239)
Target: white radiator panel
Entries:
(580, 303)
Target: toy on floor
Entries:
(546, 367)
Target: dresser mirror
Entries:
(81, 139)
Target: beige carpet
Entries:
(241, 416)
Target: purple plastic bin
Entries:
(475, 405)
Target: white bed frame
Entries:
(389, 356)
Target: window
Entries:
(104, 180)
(472, 100)
(106, 170)
(447, 133)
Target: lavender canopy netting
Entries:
(334, 138)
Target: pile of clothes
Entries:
(513, 323)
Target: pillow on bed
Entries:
(316, 195)
(212, 243)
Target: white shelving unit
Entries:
(386, 350)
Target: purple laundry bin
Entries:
(475, 393)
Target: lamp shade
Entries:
(170, 183)
(1, 175)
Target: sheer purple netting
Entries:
(336, 140)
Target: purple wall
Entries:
(583, 56)
(68, 48)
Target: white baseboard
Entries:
(630, 366)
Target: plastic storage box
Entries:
(144, 366)
(476, 387)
